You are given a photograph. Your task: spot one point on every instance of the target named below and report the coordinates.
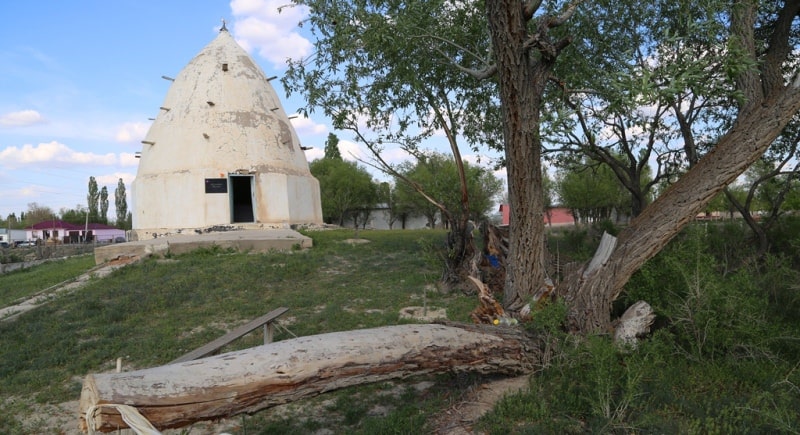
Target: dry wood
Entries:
(224, 385)
(634, 323)
(601, 255)
(489, 309)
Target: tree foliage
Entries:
(393, 76)
(592, 193)
(93, 200)
(104, 205)
(659, 103)
(38, 213)
(439, 176)
(332, 147)
(121, 206)
(347, 190)
(75, 215)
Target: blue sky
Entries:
(79, 80)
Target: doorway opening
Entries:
(242, 198)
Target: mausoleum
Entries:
(221, 153)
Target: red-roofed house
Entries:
(66, 232)
(556, 216)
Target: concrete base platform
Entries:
(241, 240)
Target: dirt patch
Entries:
(423, 314)
(355, 241)
(11, 312)
(459, 418)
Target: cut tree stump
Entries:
(224, 385)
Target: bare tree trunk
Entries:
(521, 81)
(590, 299)
(462, 257)
(744, 211)
(768, 105)
(221, 386)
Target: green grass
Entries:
(23, 283)
(722, 360)
(152, 312)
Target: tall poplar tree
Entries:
(104, 205)
(121, 205)
(92, 200)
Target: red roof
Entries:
(59, 224)
(559, 215)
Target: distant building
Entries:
(65, 232)
(380, 216)
(221, 152)
(555, 216)
(10, 236)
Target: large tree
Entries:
(648, 112)
(516, 69)
(332, 147)
(591, 192)
(440, 176)
(769, 96)
(76, 215)
(390, 86)
(38, 213)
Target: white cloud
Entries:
(111, 180)
(351, 151)
(131, 132)
(395, 155)
(303, 125)
(128, 159)
(21, 119)
(270, 28)
(52, 152)
(314, 154)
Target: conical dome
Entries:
(222, 152)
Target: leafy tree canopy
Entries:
(438, 175)
(346, 189)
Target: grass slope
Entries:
(154, 311)
(723, 359)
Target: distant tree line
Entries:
(350, 195)
(96, 210)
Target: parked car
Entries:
(24, 244)
(120, 240)
(3, 244)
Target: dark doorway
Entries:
(242, 198)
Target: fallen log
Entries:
(246, 381)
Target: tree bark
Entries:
(221, 386)
(590, 299)
(768, 105)
(521, 82)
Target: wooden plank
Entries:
(217, 344)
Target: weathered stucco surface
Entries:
(221, 116)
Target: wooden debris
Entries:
(493, 261)
(246, 381)
(634, 323)
(488, 309)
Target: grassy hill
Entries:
(724, 357)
